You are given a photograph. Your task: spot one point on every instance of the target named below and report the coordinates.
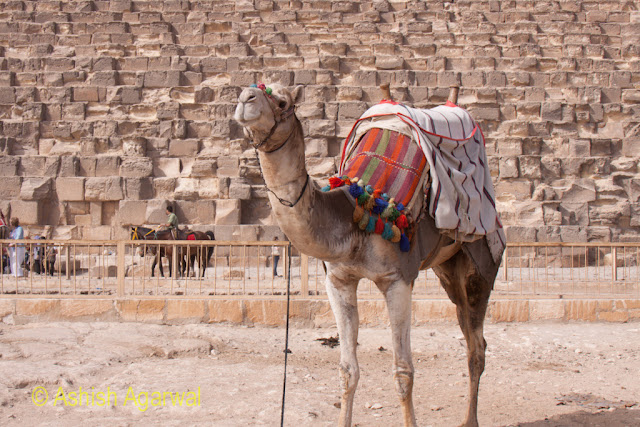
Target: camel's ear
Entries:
(295, 94)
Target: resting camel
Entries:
(320, 224)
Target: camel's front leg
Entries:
(398, 297)
(343, 299)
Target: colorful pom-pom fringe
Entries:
(375, 211)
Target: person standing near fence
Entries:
(3, 226)
(172, 222)
(17, 250)
(275, 255)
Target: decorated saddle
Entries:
(400, 163)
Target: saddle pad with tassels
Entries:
(461, 196)
(390, 162)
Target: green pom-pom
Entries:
(268, 91)
(362, 199)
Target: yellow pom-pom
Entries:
(396, 234)
(358, 213)
(364, 221)
(371, 202)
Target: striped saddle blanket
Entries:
(390, 162)
(407, 154)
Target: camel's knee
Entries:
(476, 363)
(349, 377)
(404, 383)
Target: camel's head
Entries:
(266, 114)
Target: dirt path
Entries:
(536, 375)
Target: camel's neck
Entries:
(285, 174)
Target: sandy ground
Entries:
(536, 375)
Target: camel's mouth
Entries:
(244, 116)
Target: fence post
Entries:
(505, 261)
(614, 263)
(120, 268)
(67, 254)
(304, 275)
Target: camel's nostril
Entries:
(251, 98)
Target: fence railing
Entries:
(244, 269)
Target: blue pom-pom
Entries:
(380, 206)
(369, 189)
(385, 196)
(387, 233)
(254, 85)
(371, 226)
(404, 243)
(400, 207)
(355, 190)
(326, 188)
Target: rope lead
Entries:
(286, 339)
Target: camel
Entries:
(320, 224)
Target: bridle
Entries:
(136, 236)
(279, 116)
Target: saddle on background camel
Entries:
(400, 163)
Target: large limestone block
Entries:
(546, 310)
(10, 188)
(186, 189)
(102, 232)
(70, 189)
(156, 212)
(228, 166)
(107, 166)
(132, 212)
(579, 191)
(166, 167)
(228, 212)
(136, 167)
(138, 188)
(134, 147)
(163, 187)
(184, 147)
(513, 190)
(582, 310)
(204, 168)
(35, 307)
(509, 311)
(185, 310)
(85, 308)
(39, 166)
(36, 189)
(209, 188)
(103, 189)
(29, 212)
(141, 310)
(321, 167)
(225, 311)
(9, 165)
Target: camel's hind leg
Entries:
(343, 299)
(470, 293)
(398, 297)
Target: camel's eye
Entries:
(282, 104)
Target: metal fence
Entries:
(244, 269)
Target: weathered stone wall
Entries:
(109, 109)
(303, 312)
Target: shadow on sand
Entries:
(622, 417)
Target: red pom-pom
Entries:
(379, 226)
(402, 222)
(335, 182)
(377, 193)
